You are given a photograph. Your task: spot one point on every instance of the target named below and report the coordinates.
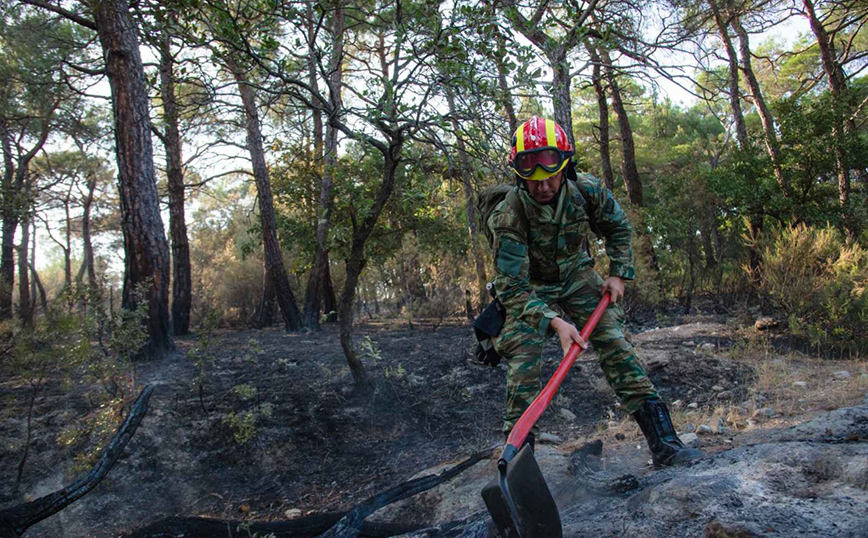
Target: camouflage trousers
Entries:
(521, 346)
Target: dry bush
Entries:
(820, 283)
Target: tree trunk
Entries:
(182, 281)
(7, 244)
(34, 278)
(264, 316)
(14, 202)
(755, 223)
(25, 306)
(561, 101)
(469, 205)
(145, 245)
(732, 78)
(837, 86)
(67, 244)
(505, 94)
(625, 132)
(603, 108)
(273, 257)
(87, 264)
(330, 302)
(356, 261)
(768, 122)
(319, 270)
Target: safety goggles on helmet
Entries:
(549, 159)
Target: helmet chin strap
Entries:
(522, 185)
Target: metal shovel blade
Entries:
(532, 512)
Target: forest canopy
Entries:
(236, 163)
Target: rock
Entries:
(842, 374)
(688, 427)
(567, 414)
(717, 388)
(691, 440)
(708, 346)
(550, 438)
(293, 513)
(767, 412)
(721, 426)
(676, 404)
(800, 384)
(692, 405)
(688, 343)
(716, 529)
(759, 398)
(765, 323)
(704, 428)
(725, 394)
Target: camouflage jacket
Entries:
(555, 245)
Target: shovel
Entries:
(519, 500)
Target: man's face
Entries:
(545, 190)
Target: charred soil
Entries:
(272, 427)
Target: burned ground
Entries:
(313, 442)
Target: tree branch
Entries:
(74, 17)
(14, 521)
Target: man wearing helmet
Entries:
(543, 263)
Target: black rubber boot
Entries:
(666, 448)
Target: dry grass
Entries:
(788, 388)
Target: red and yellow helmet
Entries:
(540, 149)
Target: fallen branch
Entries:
(349, 524)
(16, 520)
(305, 527)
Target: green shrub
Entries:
(820, 283)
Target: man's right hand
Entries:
(568, 334)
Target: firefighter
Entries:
(544, 269)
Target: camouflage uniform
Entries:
(550, 264)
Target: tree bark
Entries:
(25, 304)
(15, 202)
(755, 224)
(319, 269)
(356, 261)
(87, 264)
(561, 102)
(145, 245)
(603, 108)
(505, 94)
(768, 122)
(182, 281)
(629, 169)
(732, 78)
(264, 316)
(16, 520)
(837, 86)
(7, 244)
(625, 132)
(273, 257)
(330, 302)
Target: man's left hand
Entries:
(615, 286)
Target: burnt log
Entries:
(348, 524)
(16, 520)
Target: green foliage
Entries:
(820, 282)
(368, 348)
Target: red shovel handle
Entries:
(538, 406)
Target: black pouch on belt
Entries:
(486, 326)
